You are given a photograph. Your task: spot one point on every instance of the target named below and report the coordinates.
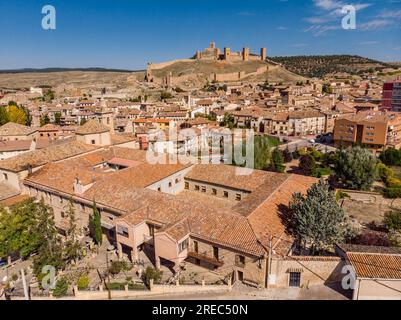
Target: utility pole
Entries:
(269, 262)
(108, 275)
(26, 294)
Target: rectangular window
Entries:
(183, 245)
(295, 279)
(216, 253)
(240, 261)
(238, 197)
(196, 246)
(225, 194)
(187, 185)
(5, 176)
(170, 184)
(214, 192)
(151, 230)
(93, 141)
(203, 189)
(196, 188)
(123, 231)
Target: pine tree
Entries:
(316, 219)
(50, 249)
(72, 247)
(96, 225)
(355, 168)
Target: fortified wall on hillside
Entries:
(209, 54)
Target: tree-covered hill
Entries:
(320, 66)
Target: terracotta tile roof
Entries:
(41, 157)
(91, 127)
(375, 266)
(368, 249)
(49, 127)
(225, 175)
(14, 200)
(19, 145)
(15, 129)
(269, 218)
(7, 191)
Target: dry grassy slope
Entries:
(76, 79)
(203, 69)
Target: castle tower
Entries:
(245, 54)
(227, 53)
(212, 45)
(149, 76)
(217, 53)
(198, 55)
(263, 54)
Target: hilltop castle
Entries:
(209, 54)
(213, 53)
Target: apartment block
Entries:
(377, 130)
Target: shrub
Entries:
(392, 193)
(115, 286)
(392, 220)
(393, 183)
(341, 195)
(61, 288)
(83, 283)
(151, 273)
(372, 238)
(118, 266)
(385, 173)
(136, 286)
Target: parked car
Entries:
(3, 263)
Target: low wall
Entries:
(314, 270)
(155, 290)
(363, 196)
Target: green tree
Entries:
(61, 288)
(4, 118)
(165, 95)
(83, 121)
(307, 164)
(17, 229)
(392, 221)
(262, 152)
(228, 121)
(277, 160)
(50, 247)
(391, 157)
(72, 247)
(44, 120)
(316, 220)
(355, 168)
(96, 225)
(57, 118)
(287, 155)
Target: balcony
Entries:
(203, 257)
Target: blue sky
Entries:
(129, 33)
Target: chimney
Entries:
(78, 187)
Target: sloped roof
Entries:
(15, 129)
(92, 127)
(41, 157)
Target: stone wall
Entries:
(254, 269)
(314, 270)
